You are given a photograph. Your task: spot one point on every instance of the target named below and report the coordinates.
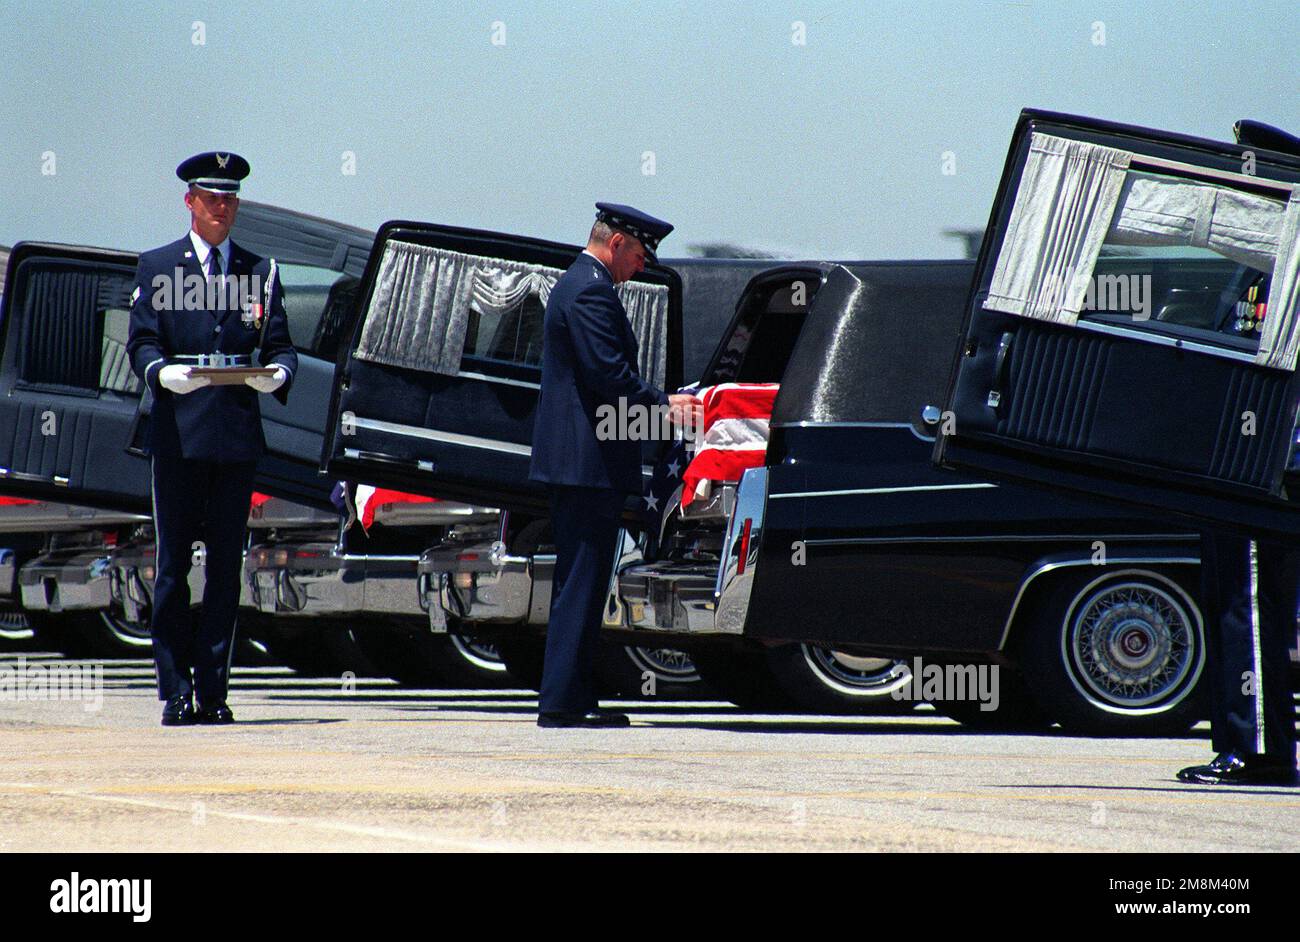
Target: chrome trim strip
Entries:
(808, 424)
(1255, 650)
(804, 423)
(884, 490)
(1086, 561)
(1147, 336)
(450, 438)
(1015, 538)
(732, 590)
(1141, 160)
(484, 377)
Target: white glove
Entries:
(269, 384)
(177, 378)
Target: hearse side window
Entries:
(317, 303)
(1190, 255)
(512, 335)
(759, 349)
(1107, 236)
(73, 327)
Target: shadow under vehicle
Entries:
(71, 408)
(1131, 333)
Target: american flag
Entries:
(369, 499)
(736, 417)
(366, 499)
(734, 438)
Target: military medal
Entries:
(251, 314)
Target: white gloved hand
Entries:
(177, 378)
(269, 384)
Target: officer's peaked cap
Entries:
(641, 226)
(218, 171)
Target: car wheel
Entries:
(638, 672)
(16, 630)
(1118, 654)
(740, 675)
(416, 657)
(523, 658)
(308, 646)
(1016, 710)
(818, 679)
(103, 633)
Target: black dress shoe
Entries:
(592, 718)
(216, 715)
(1229, 768)
(178, 712)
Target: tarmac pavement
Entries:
(323, 764)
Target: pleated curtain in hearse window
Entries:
(1075, 197)
(432, 307)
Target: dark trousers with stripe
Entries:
(585, 522)
(200, 512)
(1249, 591)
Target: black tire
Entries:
(311, 648)
(1118, 653)
(816, 679)
(102, 633)
(17, 630)
(523, 658)
(742, 676)
(416, 657)
(638, 673)
(1016, 712)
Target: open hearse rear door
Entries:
(68, 398)
(1134, 321)
(436, 390)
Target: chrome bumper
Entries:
(701, 598)
(66, 581)
(318, 580)
(477, 585)
(131, 579)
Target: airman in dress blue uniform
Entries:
(1249, 596)
(589, 360)
(203, 301)
(1248, 588)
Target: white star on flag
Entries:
(651, 502)
(674, 469)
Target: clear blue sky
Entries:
(831, 149)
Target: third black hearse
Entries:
(815, 579)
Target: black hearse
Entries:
(70, 407)
(1187, 406)
(815, 575)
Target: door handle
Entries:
(375, 457)
(1000, 365)
(57, 480)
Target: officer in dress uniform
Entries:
(589, 359)
(203, 301)
(1249, 588)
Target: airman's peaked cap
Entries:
(214, 170)
(641, 226)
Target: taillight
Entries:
(744, 546)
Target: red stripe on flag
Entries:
(730, 401)
(383, 495)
